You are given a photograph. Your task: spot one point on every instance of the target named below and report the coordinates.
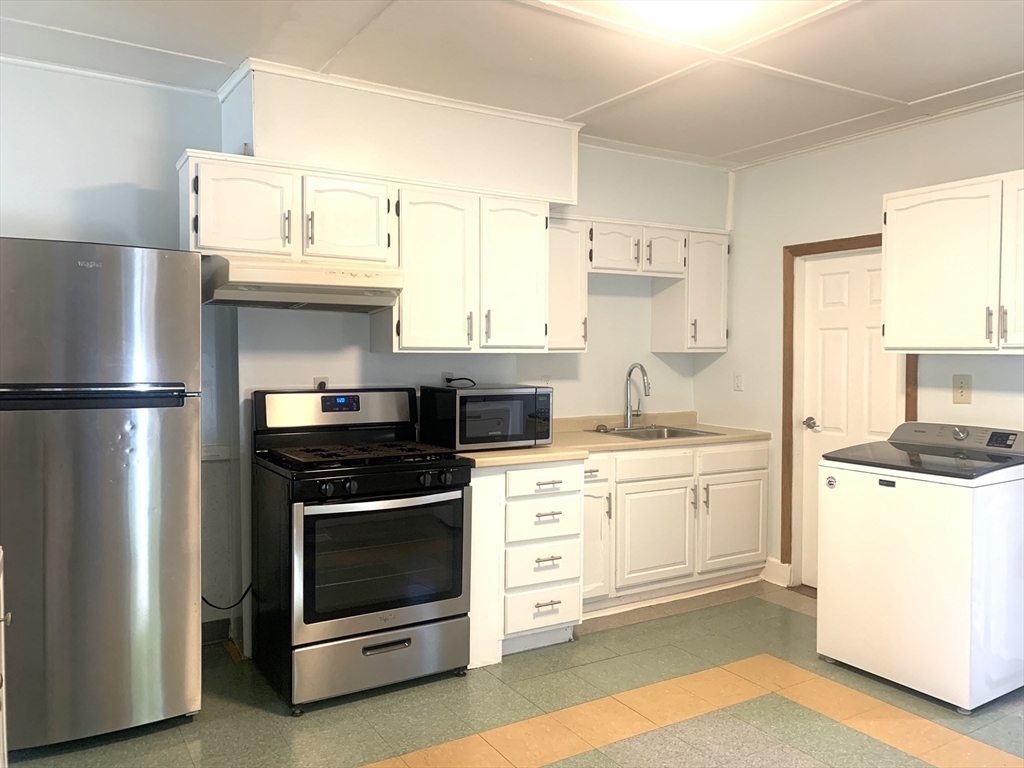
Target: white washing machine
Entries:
(921, 560)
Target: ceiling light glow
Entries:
(689, 15)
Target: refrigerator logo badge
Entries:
(89, 264)
(830, 482)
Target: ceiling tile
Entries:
(506, 55)
(722, 108)
(302, 33)
(56, 47)
(906, 50)
(1006, 86)
(715, 25)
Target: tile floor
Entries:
(725, 679)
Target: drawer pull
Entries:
(547, 514)
(548, 604)
(397, 645)
(542, 483)
(591, 472)
(551, 559)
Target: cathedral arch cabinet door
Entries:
(244, 208)
(347, 218)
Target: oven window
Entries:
(365, 562)
(495, 418)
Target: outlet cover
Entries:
(445, 375)
(320, 382)
(962, 388)
(737, 382)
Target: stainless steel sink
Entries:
(655, 432)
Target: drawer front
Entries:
(598, 468)
(543, 518)
(542, 608)
(553, 478)
(652, 465)
(542, 563)
(733, 459)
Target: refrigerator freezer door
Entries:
(79, 313)
(100, 526)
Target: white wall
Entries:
(838, 193)
(91, 158)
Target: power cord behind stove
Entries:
(233, 605)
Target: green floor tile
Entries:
(592, 759)
(491, 708)
(554, 658)
(251, 735)
(1006, 734)
(668, 661)
(622, 673)
(557, 690)
(716, 650)
(424, 725)
(335, 736)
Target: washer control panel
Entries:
(959, 436)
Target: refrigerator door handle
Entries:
(112, 390)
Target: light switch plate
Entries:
(962, 388)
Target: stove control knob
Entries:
(425, 479)
(960, 433)
(327, 489)
(444, 477)
(348, 485)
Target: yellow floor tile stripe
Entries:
(549, 738)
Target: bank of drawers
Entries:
(543, 525)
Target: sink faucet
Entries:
(647, 391)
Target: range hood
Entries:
(255, 281)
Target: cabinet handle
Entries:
(609, 506)
(707, 499)
(542, 483)
(584, 330)
(1004, 323)
(311, 239)
(988, 323)
(487, 325)
(694, 335)
(551, 559)
(548, 604)
(288, 227)
(591, 472)
(650, 251)
(638, 250)
(694, 502)
(541, 515)
(469, 327)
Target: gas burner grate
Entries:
(329, 456)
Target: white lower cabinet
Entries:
(597, 538)
(731, 513)
(654, 531)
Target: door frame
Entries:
(790, 254)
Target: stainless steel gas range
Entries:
(360, 544)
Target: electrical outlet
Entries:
(962, 387)
(445, 375)
(545, 380)
(737, 382)
(320, 382)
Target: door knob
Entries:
(810, 423)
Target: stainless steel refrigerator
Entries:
(100, 450)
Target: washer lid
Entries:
(927, 459)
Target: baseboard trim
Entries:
(777, 572)
(216, 631)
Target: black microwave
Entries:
(480, 418)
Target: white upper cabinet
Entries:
(732, 511)
(568, 248)
(706, 292)
(243, 208)
(664, 251)
(439, 244)
(941, 263)
(1011, 290)
(513, 273)
(347, 218)
(617, 247)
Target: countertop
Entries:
(578, 444)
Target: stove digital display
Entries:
(339, 403)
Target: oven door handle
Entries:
(396, 645)
(380, 506)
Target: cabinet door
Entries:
(438, 235)
(664, 251)
(513, 273)
(1011, 288)
(940, 267)
(346, 218)
(732, 511)
(706, 289)
(567, 285)
(244, 208)
(653, 531)
(597, 539)
(617, 247)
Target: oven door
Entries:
(368, 566)
(502, 419)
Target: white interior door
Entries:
(346, 218)
(244, 208)
(851, 388)
(617, 247)
(1012, 283)
(567, 285)
(439, 249)
(513, 273)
